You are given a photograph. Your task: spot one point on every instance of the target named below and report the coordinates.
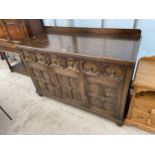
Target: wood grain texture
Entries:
(109, 32)
(142, 108)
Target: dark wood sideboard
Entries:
(86, 67)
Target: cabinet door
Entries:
(2, 31)
(103, 86)
(15, 29)
(55, 75)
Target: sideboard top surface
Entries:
(108, 44)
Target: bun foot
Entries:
(120, 123)
(39, 93)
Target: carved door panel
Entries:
(64, 71)
(37, 65)
(101, 98)
(55, 75)
(103, 86)
(96, 85)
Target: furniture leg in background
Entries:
(7, 61)
(6, 113)
(2, 57)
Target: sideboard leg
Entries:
(39, 93)
(7, 61)
(2, 57)
(6, 113)
(120, 123)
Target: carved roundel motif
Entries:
(29, 56)
(72, 64)
(91, 67)
(55, 61)
(113, 71)
(110, 92)
(41, 58)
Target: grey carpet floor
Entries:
(33, 114)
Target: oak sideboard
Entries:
(86, 67)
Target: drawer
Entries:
(112, 71)
(144, 118)
(145, 97)
(55, 60)
(144, 107)
(90, 67)
(63, 61)
(29, 56)
(145, 101)
(41, 58)
(73, 64)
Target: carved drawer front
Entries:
(113, 71)
(143, 118)
(41, 58)
(55, 60)
(29, 56)
(72, 63)
(91, 67)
